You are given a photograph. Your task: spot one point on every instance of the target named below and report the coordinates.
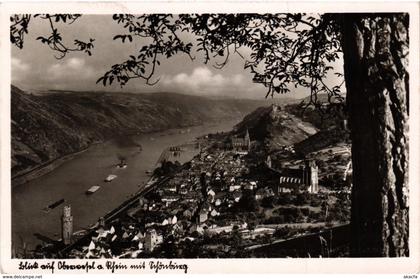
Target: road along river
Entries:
(71, 180)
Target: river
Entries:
(71, 180)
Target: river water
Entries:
(71, 180)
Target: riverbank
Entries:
(49, 166)
(83, 239)
(45, 168)
(75, 176)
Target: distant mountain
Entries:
(48, 126)
(275, 127)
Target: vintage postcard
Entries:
(178, 137)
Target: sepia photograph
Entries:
(210, 135)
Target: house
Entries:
(196, 228)
(214, 213)
(251, 185)
(264, 193)
(210, 196)
(203, 215)
(211, 193)
(169, 198)
(187, 214)
(233, 188)
(237, 195)
(143, 201)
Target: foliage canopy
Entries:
(280, 50)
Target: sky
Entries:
(34, 68)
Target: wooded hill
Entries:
(48, 126)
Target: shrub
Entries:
(268, 202)
(302, 198)
(281, 232)
(275, 220)
(284, 199)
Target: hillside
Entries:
(45, 127)
(323, 139)
(275, 127)
(329, 147)
(331, 124)
(330, 114)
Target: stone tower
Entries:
(310, 176)
(67, 225)
(269, 162)
(150, 240)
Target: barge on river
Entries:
(92, 190)
(53, 205)
(110, 177)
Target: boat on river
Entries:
(110, 177)
(122, 164)
(53, 205)
(92, 189)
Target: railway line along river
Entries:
(30, 223)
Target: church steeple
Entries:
(247, 140)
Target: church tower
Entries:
(247, 140)
(67, 225)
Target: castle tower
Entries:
(269, 162)
(150, 240)
(310, 176)
(66, 225)
(314, 177)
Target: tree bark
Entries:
(375, 50)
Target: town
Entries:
(230, 200)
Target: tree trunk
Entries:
(375, 50)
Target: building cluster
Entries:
(199, 200)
